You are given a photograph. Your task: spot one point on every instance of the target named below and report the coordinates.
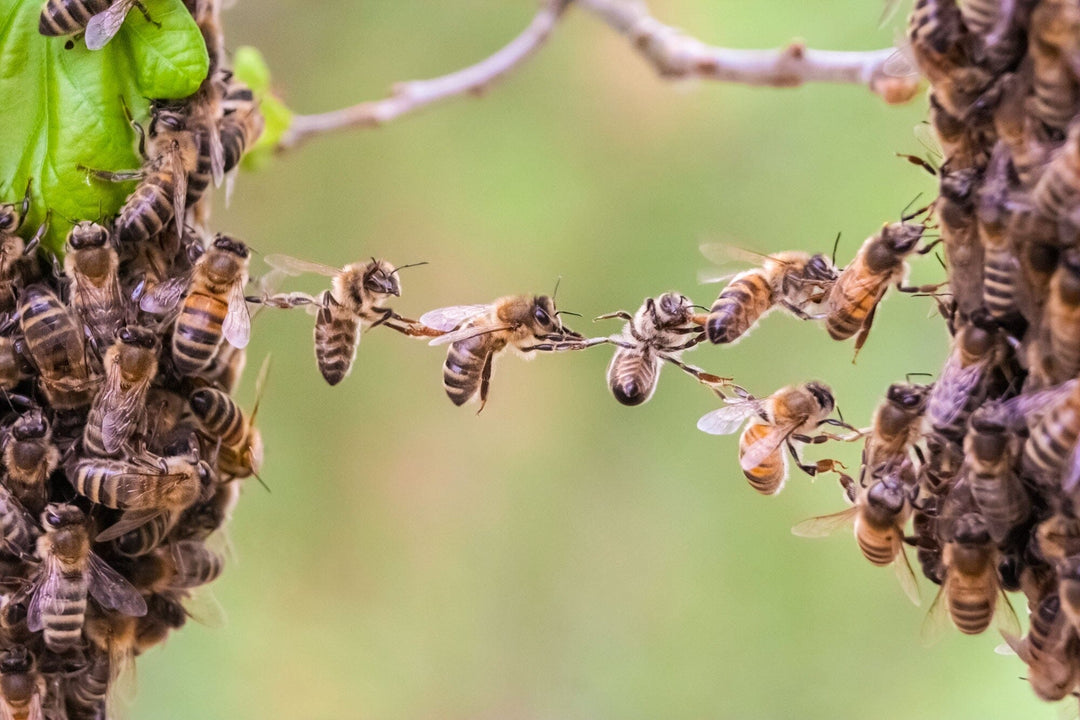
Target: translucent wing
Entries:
(1005, 616)
(824, 525)
(128, 521)
(937, 619)
(466, 333)
(46, 586)
(111, 590)
(926, 137)
(906, 576)
(34, 709)
(952, 390)
(888, 12)
(217, 152)
(179, 196)
(203, 607)
(1072, 469)
(901, 63)
(163, 298)
(1025, 409)
(766, 445)
(295, 266)
(449, 318)
(237, 325)
(124, 412)
(724, 254)
(729, 418)
(103, 26)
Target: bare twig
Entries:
(675, 54)
(415, 94)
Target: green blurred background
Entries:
(562, 556)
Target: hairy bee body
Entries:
(64, 17)
(18, 530)
(971, 584)
(121, 485)
(1055, 29)
(962, 383)
(240, 444)
(22, 687)
(93, 266)
(991, 452)
(86, 691)
(1049, 650)
(767, 476)
(30, 457)
(337, 335)
(1057, 193)
(119, 409)
(1061, 350)
(896, 425)
(55, 343)
(1051, 438)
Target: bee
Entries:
(1001, 266)
(998, 25)
(477, 333)
(30, 457)
(12, 366)
(991, 452)
(165, 614)
(146, 490)
(54, 342)
(661, 329)
(214, 308)
(1049, 649)
(179, 565)
(119, 409)
(18, 530)
(1036, 236)
(897, 424)
(1027, 143)
(1050, 456)
(203, 519)
(1059, 345)
(1068, 571)
(1057, 538)
(353, 303)
(15, 253)
(853, 298)
(1055, 27)
(87, 690)
(92, 265)
(102, 19)
(793, 280)
(970, 593)
(963, 144)
(22, 687)
(1057, 193)
(69, 572)
(241, 122)
(146, 537)
(240, 450)
(879, 514)
(976, 349)
(790, 414)
(964, 255)
(941, 45)
(927, 548)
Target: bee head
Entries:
(819, 267)
(672, 307)
(166, 118)
(30, 426)
(9, 218)
(61, 515)
(822, 395)
(16, 660)
(543, 314)
(888, 494)
(87, 234)
(381, 277)
(137, 336)
(229, 244)
(907, 395)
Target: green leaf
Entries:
(250, 67)
(62, 107)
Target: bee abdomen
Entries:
(1050, 441)
(64, 17)
(198, 332)
(1000, 277)
(1001, 502)
(632, 376)
(738, 307)
(971, 615)
(769, 475)
(146, 537)
(198, 565)
(93, 441)
(86, 692)
(199, 178)
(147, 209)
(219, 414)
(877, 552)
(336, 339)
(63, 614)
(847, 315)
(462, 370)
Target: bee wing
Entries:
(1072, 469)
(937, 619)
(35, 710)
(466, 333)
(165, 296)
(47, 585)
(901, 63)
(130, 520)
(119, 420)
(103, 26)
(112, 590)
(1005, 616)
(727, 419)
(237, 325)
(824, 525)
(449, 318)
(766, 445)
(203, 607)
(295, 266)
(953, 389)
(217, 152)
(179, 197)
(906, 576)
(1024, 409)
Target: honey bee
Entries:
(1001, 266)
(30, 457)
(119, 409)
(87, 690)
(961, 386)
(15, 253)
(1048, 649)
(165, 614)
(240, 452)
(971, 594)
(1059, 345)
(1055, 27)
(1028, 144)
(1050, 457)
(964, 255)
(963, 144)
(477, 333)
(1068, 571)
(203, 519)
(102, 19)
(213, 309)
(941, 45)
(1057, 193)
(880, 262)
(54, 343)
(146, 537)
(925, 541)
(18, 530)
(92, 265)
(789, 415)
(143, 490)
(179, 565)
(896, 426)
(793, 280)
(998, 25)
(879, 514)
(70, 571)
(1037, 238)
(353, 303)
(241, 122)
(12, 367)
(22, 687)
(991, 450)
(660, 330)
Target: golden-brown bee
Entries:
(963, 144)
(880, 262)
(897, 424)
(1058, 349)
(977, 347)
(30, 457)
(1057, 193)
(120, 407)
(141, 489)
(991, 452)
(54, 342)
(102, 19)
(241, 122)
(999, 27)
(18, 531)
(791, 414)
(964, 256)
(179, 565)
(146, 537)
(13, 368)
(879, 514)
(1039, 256)
(660, 330)
(1049, 649)
(793, 280)
(1068, 571)
(1050, 457)
(942, 45)
(92, 265)
(69, 572)
(971, 593)
(1001, 266)
(165, 614)
(1054, 44)
(240, 453)
(1028, 144)
(204, 518)
(15, 253)
(214, 308)
(22, 687)
(477, 333)
(354, 302)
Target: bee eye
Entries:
(541, 316)
(53, 519)
(910, 401)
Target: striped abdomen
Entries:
(464, 367)
(337, 333)
(196, 564)
(1001, 499)
(1052, 439)
(746, 298)
(1054, 93)
(64, 611)
(1058, 190)
(198, 333)
(64, 17)
(1063, 322)
(879, 547)
(769, 475)
(239, 130)
(55, 342)
(632, 375)
(86, 691)
(972, 603)
(1001, 277)
(219, 415)
(93, 441)
(120, 485)
(199, 178)
(19, 530)
(851, 299)
(149, 207)
(146, 537)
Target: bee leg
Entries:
(706, 378)
(146, 14)
(485, 382)
(386, 314)
(36, 240)
(860, 339)
(810, 470)
(620, 314)
(25, 207)
(110, 176)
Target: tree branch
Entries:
(674, 54)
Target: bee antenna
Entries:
(835, 245)
(261, 481)
(700, 307)
(910, 375)
(415, 264)
(567, 312)
(556, 292)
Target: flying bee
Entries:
(976, 349)
(991, 450)
(92, 265)
(662, 329)
(1048, 649)
(102, 19)
(789, 415)
(54, 342)
(879, 514)
(70, 571)
(119, 409)
(794, 280)
(971, 594)
(880, 262)
(143, 490)
(477, 333)
(240, 447)
(897, 424)
(22, 687)
(1055, 27)
(30, 457)
(354, 302)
